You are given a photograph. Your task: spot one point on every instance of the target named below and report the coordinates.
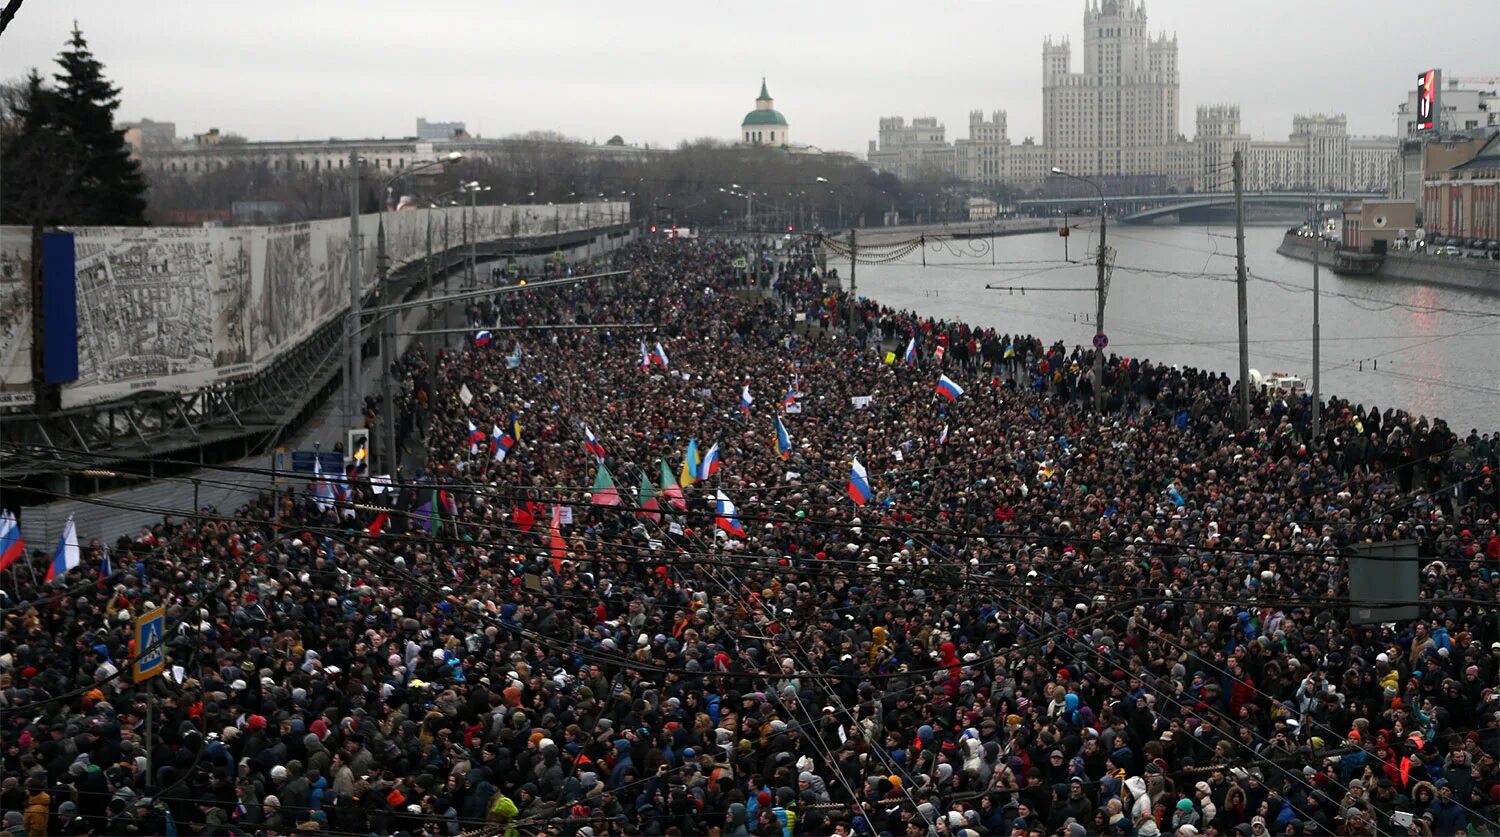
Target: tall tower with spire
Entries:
(765, 125)
(1115, 117)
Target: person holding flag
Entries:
(689, 464)
(604, 492)
(949, 389)
(671, 490)
(503, 441)
(591, 443)
(726, 516)
(11, 545)
(67, 555)
(710, 464)
(859, 484)
(910, 357)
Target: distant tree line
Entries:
(703, 183)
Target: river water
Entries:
(1430, 351)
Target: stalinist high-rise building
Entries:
(1118, 116)
(1116, 122)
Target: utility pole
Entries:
(474, 222)
(387, 349)
(387, 391)
(1239, 271)
(1317, 349)
(353, 398)
(1101, 291)
(853, 259)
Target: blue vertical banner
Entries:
(59, 309)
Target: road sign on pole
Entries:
(150, 644)
(1101, 340)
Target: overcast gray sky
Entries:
(664, 72)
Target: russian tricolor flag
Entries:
(746, 400)
(859, 484)
(911, 350)
(783, 440)
(322, 492)
(592, 443)
(948, 389)
(645, 356)
(67, 556)
(482, 338)
(11, 545)
(661, 355)
(943, 437)
(726, 516)
(710, 463)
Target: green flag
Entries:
(604, 492)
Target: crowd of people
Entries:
(1040, 621)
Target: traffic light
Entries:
(357, 448)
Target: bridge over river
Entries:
(1148, 209)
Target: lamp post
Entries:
(352, 395)
(1101, 291)
(388, 325)
(839, 202)
(473, 188)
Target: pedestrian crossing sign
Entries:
(150, 644)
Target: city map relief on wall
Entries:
(15, 316)
(145, 304)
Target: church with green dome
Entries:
(765, 125)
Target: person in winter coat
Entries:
(736, 824)
(1448, 817)
(38, 808)
(502, 809)
(1184, 814)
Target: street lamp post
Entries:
(1101, 291)
(388, 324)
(352, 395)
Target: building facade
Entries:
(764, 126)
(1463, 200)
(910, 150)
(440, 131)
(1116, 117)
(1116, 121)
(381, 155)
(149, 136)
(1464, 104)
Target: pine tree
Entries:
(41, 162)
(111, 189)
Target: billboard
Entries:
(173, 309)
(1429, 105)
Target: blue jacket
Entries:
(1448, 817)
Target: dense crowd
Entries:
(1042, 621)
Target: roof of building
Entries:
(1488, 156)
(764, 96)
(764, 117)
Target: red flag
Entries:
(559, 546)
(378, 523)
(524, 517)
